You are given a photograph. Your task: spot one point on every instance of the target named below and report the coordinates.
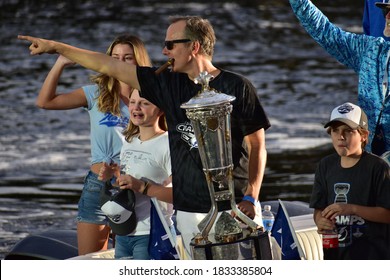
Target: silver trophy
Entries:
(209, 112)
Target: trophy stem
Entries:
(244, 218)
(206, 224)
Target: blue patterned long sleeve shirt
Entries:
(366, 55)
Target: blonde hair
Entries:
(132, 130)
(109, 88)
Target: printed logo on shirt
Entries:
(187, 134)
(111, 120)
(134, 157)
(341, 190)
(349, 227)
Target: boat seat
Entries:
(308, 237)
(311, 244)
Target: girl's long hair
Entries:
(109, 88)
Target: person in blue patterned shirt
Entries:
(368, 56)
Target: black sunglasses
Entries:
(169, 44)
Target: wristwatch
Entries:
(146, 187)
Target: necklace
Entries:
(151, 137)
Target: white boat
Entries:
(62, 244)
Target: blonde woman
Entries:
(107, 104)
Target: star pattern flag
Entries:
(284, 234)
(161, 241)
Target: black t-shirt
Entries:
(169, 91)
(368, 184)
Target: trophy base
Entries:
(256, 246)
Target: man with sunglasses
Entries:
(189, 45)
(368, 56)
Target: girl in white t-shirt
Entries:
(145, 166)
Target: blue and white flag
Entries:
(162, 244)
(284, 234)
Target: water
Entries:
(268, 218)
(45, 154)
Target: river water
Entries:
(45, 154)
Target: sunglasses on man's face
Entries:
(169, 44)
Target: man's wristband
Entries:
(250, 199)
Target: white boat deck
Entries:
(305, 230)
